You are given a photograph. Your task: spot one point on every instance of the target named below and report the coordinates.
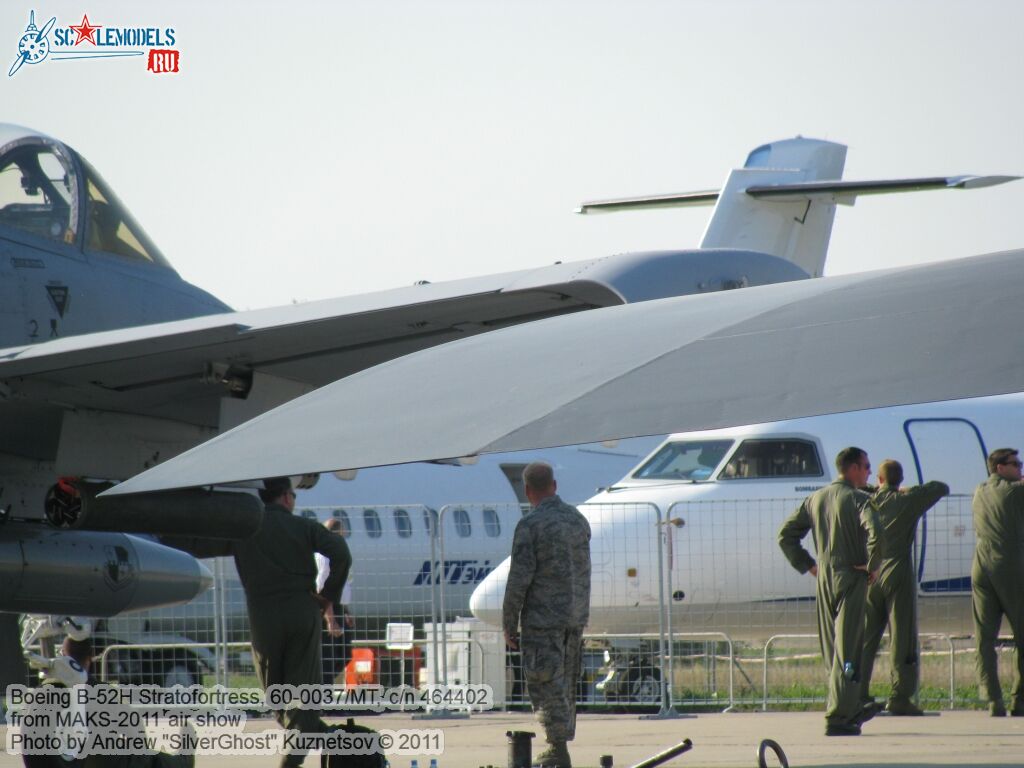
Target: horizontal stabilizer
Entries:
(708, 197)
(838, 188)
(850, 189)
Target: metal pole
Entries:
(433, 588)
(220, 623)
(670, 541)
(684, 746)
(444, 616)
(665, 710)
(661, 607)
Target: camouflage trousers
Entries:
(551, 665)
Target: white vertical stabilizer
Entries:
(797, 228)
(783, 200)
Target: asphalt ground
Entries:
(727, 739)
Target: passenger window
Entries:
(492, 524)
(463, 526)
(773, 458)
(38, 193)
(309, 514)
(372, 522)
(684, 460)
(403, 524)
(429, 519)
(342, 517)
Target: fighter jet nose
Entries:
(168, 576)
(486, 601)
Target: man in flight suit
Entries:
(846, 533)
(891, 598)
(997, 574)
(278, 573)
(548, 594)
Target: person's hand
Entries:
(512, 640)
(333, 628)
(350, 620)
(813, 570)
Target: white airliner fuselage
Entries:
(725, 493)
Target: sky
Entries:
(309, 150)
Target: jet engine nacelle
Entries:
(92, 573)
(193, 513)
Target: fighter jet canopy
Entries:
(49, 194)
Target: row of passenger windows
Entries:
(374, 526)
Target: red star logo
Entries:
(85, 30)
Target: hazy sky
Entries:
(307, 150)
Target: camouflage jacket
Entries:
(549, 579)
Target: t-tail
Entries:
(783, 200)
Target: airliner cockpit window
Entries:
(773, 458)
(684, 460)
(38, 192)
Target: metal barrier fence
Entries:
(675, 596)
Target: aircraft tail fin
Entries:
(783, 200)
(797, 227)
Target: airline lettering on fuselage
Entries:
(454, 572)
(807, 488)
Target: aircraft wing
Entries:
(942, 331)
(209, 373)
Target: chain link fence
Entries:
(696, 605)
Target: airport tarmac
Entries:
(726, 740)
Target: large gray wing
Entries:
(937, 332)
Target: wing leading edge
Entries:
(697, 362)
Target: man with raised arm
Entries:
(891, 599)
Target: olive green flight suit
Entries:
(278, 571)
(997, 580)
(891, 598)
(846, 533)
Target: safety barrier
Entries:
(708, 576)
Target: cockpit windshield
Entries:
(38, 190)
(110, 228)
(684, 460)
(41, 186)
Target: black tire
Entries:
(643, 686)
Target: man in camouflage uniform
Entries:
(997, 574)
(548, 595)
(846, 533)
(278, 572)
(891, 598)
